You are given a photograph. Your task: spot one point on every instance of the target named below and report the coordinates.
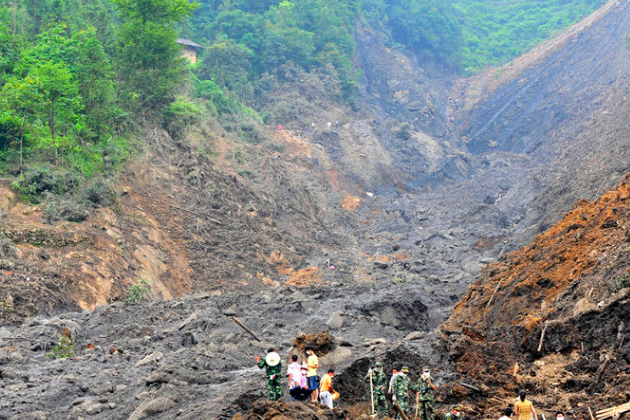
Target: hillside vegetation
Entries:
(73, 73)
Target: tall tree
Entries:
(19, 100)
(149, 62)
(95, 82)
(61, 102)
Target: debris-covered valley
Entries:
(431, 185)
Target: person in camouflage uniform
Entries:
(425, 395)
(455, 413)
(401, 391)
(273, 376)
(379, 386)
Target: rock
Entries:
(264, 345)
(337, 357)
(472, 268)
(297, 297)
(153, 357)
(229, 311)
(157, 377)
(335, 321)
(416, 335)
(35, 415)
(381, 265)
(94, 408)
(149, 408)
(101, 389)
(343, 342)
(374, 342)
(143, 395)
(583, 305)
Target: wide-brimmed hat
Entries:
(272, 359)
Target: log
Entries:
(240, 324)
(542, 338)
(602, 370)
(494, 293)
(469, 386)
(400, 411)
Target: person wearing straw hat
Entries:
(401, 391)
(273, 369)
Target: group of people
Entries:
(303, 381)
(305, 384)
(400, 387)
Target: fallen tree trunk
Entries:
(400, 411)
(240, 324)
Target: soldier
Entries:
(425, 396)
(379, 382)
(273, 365)
(455, 413)
(401, 391)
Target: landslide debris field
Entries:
(414, 192)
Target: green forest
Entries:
(74, 96)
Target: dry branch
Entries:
(240, 324)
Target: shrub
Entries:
(137, 291)
(34, 184)
(63, 350)
(100, 193)
(73, 209)
(180, 115)
(620, 283)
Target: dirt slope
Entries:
(558, 308)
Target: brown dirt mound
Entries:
(280, 410)
(323, 342)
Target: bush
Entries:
(620, 283)
(63, 350)
(180, 115)
(73, 209)
(33, 184)
(100, 193)
(137, 291)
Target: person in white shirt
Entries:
(507, 414)
(294, 373)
